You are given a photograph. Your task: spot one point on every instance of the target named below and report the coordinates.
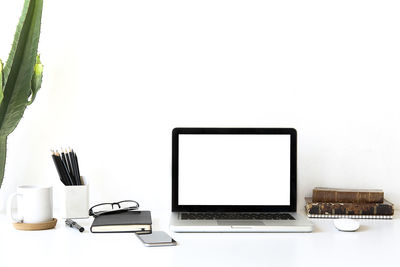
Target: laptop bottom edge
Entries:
(225, 229)
(301, 224)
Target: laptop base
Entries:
(301, 224)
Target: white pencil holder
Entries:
(76, 201)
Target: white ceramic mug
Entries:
(34, 204)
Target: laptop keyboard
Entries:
(235, 216)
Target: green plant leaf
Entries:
(36, 82)
(18, 71)
(3, 151)
(1, 81)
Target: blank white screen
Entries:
(219, 169)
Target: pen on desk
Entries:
(73, 224)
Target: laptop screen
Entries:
(235, 170)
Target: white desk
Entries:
(376, 243)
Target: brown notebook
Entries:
(324, 194)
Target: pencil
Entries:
(64, 159)
(76, 168)
(71, 166)
(66, 163)
(71, 161)
(58, 168)
(64, 170)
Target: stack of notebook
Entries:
(348, 203)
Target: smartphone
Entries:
(156, 239)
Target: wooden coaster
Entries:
(36, 226)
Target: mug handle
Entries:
(10, 202)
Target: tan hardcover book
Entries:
(325, 194)
(334, 208)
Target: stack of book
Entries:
(348, 203)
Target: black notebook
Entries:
(124, 222)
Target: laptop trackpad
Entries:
(239, 223)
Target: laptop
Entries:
(235, 180)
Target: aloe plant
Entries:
(21, 77)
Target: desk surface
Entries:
(376, 243)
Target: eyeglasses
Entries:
(106, 208)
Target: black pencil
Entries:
(71, 160)
(67, 167)
(64, 170)
(63, 158)
(58, 168)
(71, 167)
(75, 166)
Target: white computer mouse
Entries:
(346, 225)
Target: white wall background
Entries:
(119, 75)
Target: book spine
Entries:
(321, 195)
(323, 216)
(322, 208)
